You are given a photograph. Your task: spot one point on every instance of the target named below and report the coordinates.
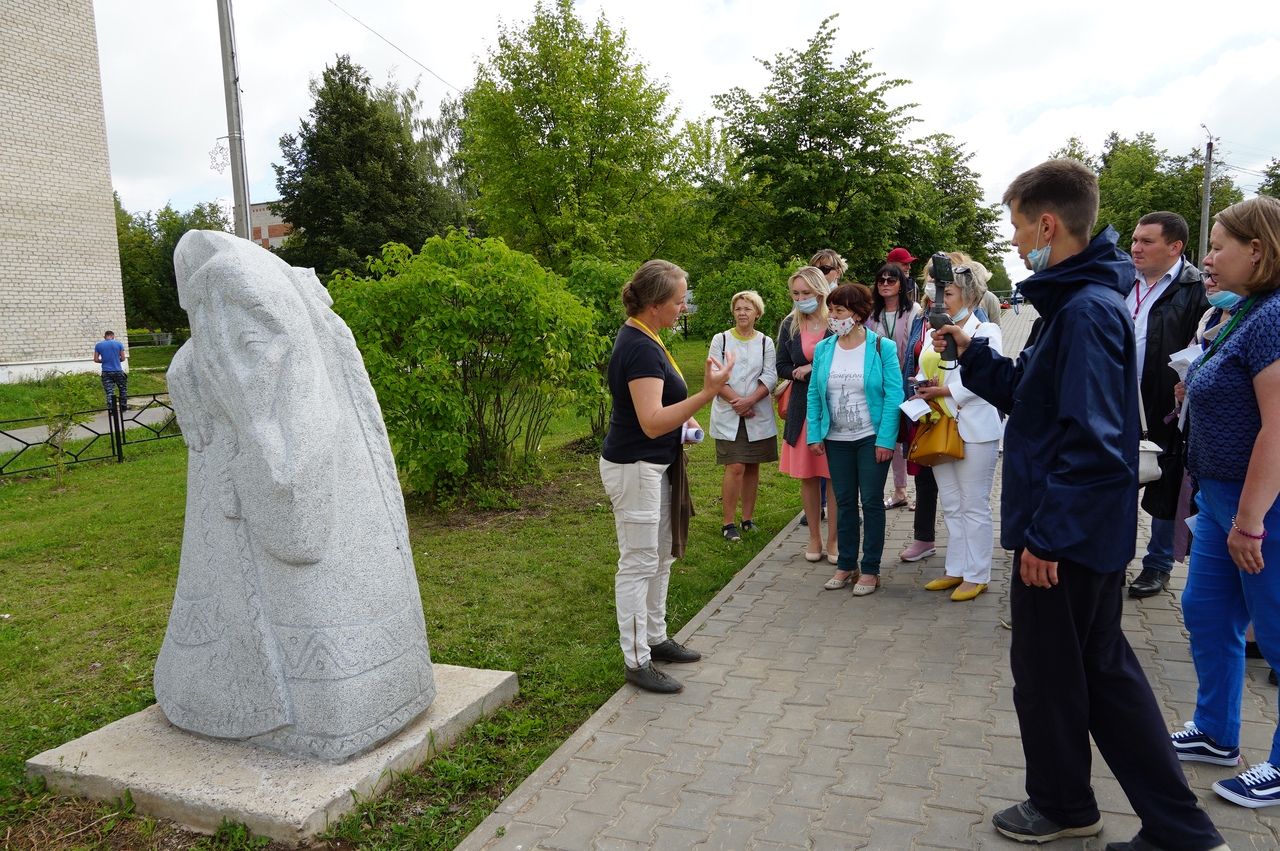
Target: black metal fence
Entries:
(27, 446)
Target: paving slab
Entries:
(198, 782)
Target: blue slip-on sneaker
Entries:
(1192, 745)
(1257, 787)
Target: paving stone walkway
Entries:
(819, 720)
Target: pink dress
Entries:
(799, 462)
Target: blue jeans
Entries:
(1160, 548)
(1219, 602)
(857, 476)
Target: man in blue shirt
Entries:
(110, 353)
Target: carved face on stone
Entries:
(257, 345)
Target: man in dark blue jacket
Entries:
(1069, 512)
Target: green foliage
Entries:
(1271, 182)
(147, 242)
(947, 212)
(1135, 177)
(712, 291)
(67, 407)
(598, 285)
(472, 348)
(360, 173)
(823, 155)
(568, 142)
(232, 836)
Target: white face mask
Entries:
(841, 327)
(931, 291)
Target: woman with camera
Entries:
(964, 485)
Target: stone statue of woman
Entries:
(297, 621)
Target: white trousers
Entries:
(964, 490)
(641, 497)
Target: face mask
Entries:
(1039, 259)
(1224, 299)
(841, 327)
(809, 305)
(931, 290)
(960, 317)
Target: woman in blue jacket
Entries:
(854, 393)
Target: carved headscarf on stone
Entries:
(297, 621)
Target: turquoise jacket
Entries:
(882, 378)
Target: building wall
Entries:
(59, 260)
(266, 228)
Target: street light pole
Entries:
(235, 137)
(1204, 199)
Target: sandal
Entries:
(894, 503)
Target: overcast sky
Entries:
(1011, 81)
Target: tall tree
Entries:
(1136, 177)
(946, 210)
(358, 174)
(1271, 180)
(147, 242)
(568, 142)
(823, 154)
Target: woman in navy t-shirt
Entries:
(651, 408)
(1233, 394)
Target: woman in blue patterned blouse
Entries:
(1233, 391)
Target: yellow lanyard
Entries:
(658, 340)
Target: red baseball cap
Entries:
(900, 255)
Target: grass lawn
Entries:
(18, 401)
(87, 577)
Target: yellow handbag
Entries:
(937, 439)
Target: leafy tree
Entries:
(1136, 177)
(360, 173)
(946, 210)
(147, 242)
(472, 348)
(598, 285)
(823, 157)
(713, 290)
(568, 142)
(1271, 180)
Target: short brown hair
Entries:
(1258, 218)
(653, 283)
(830, 257)
(853, 297)
(1064, 187)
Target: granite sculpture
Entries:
(297, 621)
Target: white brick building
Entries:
(269, 230)
(59, 260)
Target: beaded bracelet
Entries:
(1246, 534)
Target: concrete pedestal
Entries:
(198, 782)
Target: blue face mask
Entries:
(809, 305)
(1039, 259)
(1224, 300)
(961, 316)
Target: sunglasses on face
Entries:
(826, 270)
(886, 279)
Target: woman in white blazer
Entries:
(964, 487)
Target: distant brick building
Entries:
(59, 259)
(268, 229)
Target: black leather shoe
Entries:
(1149, 583)
(670, 651)
(650, 678)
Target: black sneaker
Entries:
(750, 526)
(1140, 844)
(731, 533)
(1272, 678)
(670, 651)
(650, 678)
(804, 520)
(1025, 823)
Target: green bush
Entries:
(712, 293)
(472, 347)
(598, 284)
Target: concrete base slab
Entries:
(198, 782)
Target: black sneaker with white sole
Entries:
(1029, 826)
